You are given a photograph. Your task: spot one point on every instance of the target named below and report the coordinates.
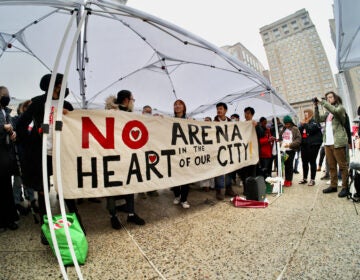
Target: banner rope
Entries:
(142, 252)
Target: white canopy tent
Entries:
(347, 43)
(347, 33)
(103, 47)
(120, 48)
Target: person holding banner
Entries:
(250, 170)
(223, 181)
(181, 192)
(123, 102)
(32, 168)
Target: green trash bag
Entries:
(78, 238)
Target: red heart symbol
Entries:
(152, 158)
(135, 134)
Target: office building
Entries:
(244, 55)
(299, 68)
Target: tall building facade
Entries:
(243, 54)
(299, 68)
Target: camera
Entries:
(315, 100)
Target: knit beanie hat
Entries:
(288, 119)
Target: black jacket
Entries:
(311, 133)
(32, 141)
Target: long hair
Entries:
(336, 97)
(183, 103)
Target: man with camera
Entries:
(335, 140)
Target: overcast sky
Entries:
(227, 22)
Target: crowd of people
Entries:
(21, 158)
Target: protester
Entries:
(235, 117)
(32, 168)
(335, 140)
(223, 181)
(250, 170)
(123, 102)
(310, 145)
(181, 192)
(18, 185)
(8, 213)
(266, 140)
(290, 142)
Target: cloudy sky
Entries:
(227, 22)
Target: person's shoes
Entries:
(219, 194)
(43, 239)
(177, 200)
(287, 183)
(296, 172)
(325, 177)
(303, 181)
(143, 195)
(311, 183)
(344, 192)
(230, 192)
(185, 205)
(12, 226)
(94, 200)
(330, 190)
(135, 219)
(115, 223)
(153, 193)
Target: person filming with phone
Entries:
(335, 140)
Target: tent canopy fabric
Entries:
(347, 33)
(123, 48)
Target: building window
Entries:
(285, 29)
(276, 33)
(294, 25)
(305, 20)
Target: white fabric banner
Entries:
(107, 152)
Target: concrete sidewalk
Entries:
(303, 234)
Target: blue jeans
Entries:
(223, 181)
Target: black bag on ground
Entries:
(255, 188)
(357, 183)
(354, 179)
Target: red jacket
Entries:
(265, 145)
